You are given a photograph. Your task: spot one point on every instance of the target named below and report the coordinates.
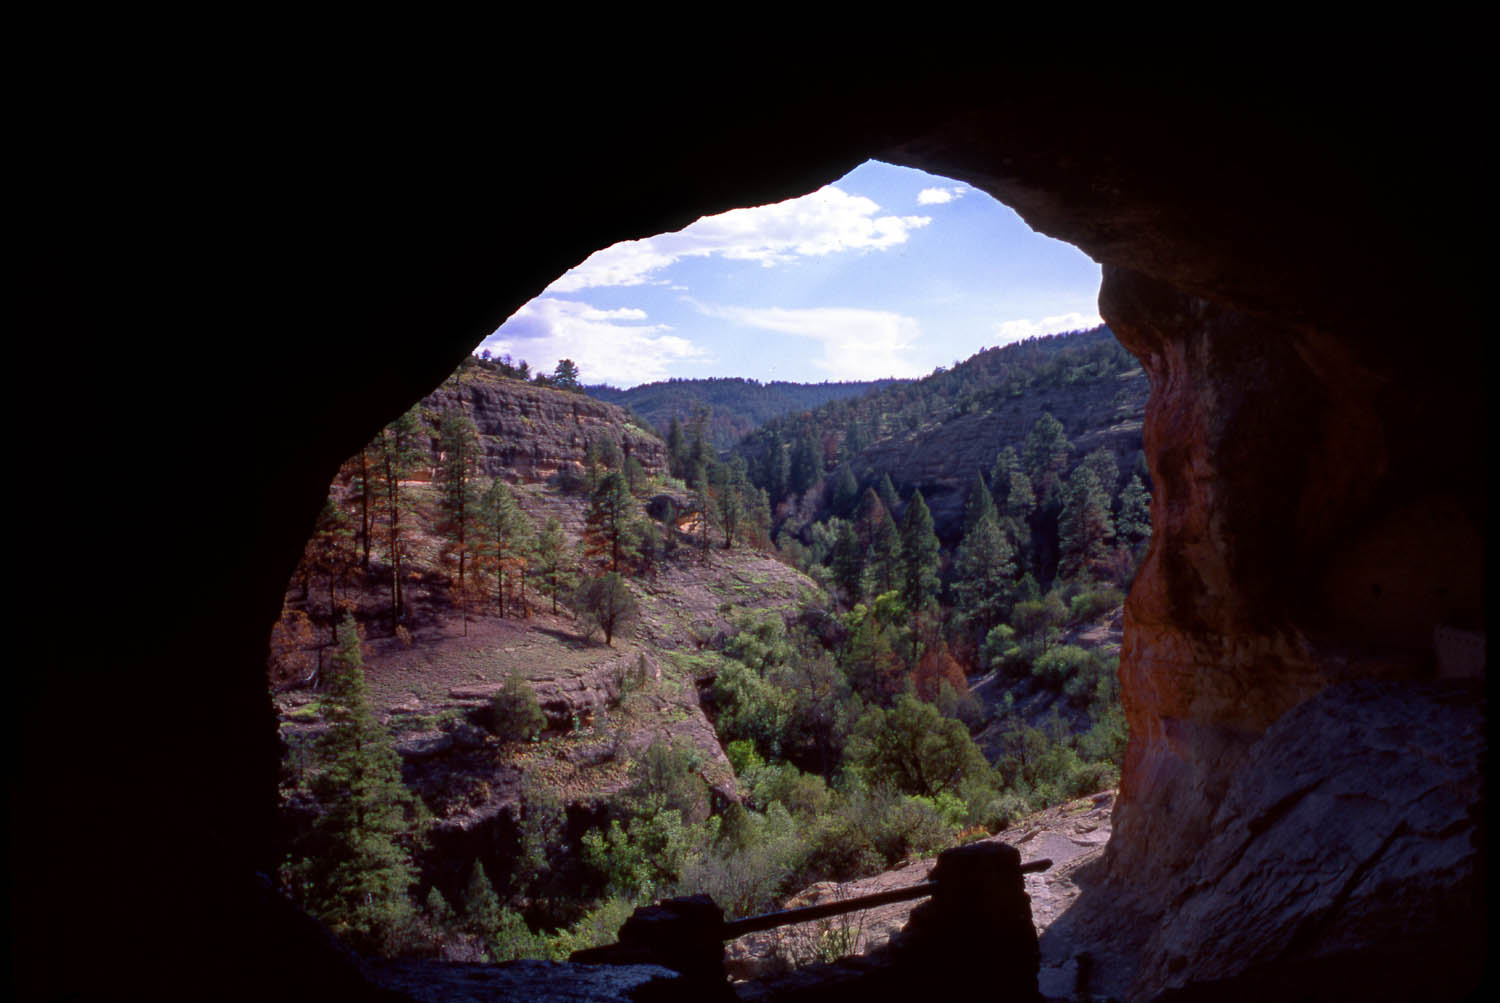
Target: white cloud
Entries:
(940, 196)
(824, 222)
(1016, 330)
(858, 344)
(607, 346)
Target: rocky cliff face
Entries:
(531, 433)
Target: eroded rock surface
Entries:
(1072, 836)
(530, 433)
(1346, 856)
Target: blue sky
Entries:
(887, 271)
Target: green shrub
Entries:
(748, 874)
(515, 714)
(750, 707)
(1092, 604)
(665, 775)
(1055, 667)
(802, 794)
(743, 758)
(1105, 740)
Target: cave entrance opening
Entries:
(838, 619)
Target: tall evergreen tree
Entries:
(980, 503)
(855, 440)
(331, 553)
(1020, 503)
(807, 467)
(1006, 464)
(731, 488)
(847, 561)
(778, 468)
(608, 523)
(554, 570)
(885, 556)
(676, 449)
(1105, 467)
(458, 444)
(481, 904)
(845, 491)
(919, 555)
(1046, 457)
(1084, 528)
(505, 533)
(366, 487)
(565, 376)
(984, 572)
(358, 881)
(1133, 522)
(400, 451)
(887, 492)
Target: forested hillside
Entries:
(605, 679)
(736, 406)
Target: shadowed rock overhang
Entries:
(1288, 255)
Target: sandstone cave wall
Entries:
(1282, 243)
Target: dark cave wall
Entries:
(1266, 267)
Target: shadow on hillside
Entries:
(567, 637)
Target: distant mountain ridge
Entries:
(936, 433)
(739, 405)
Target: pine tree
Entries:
(1084, 528)
(605, 604)
(807, 468)
(919, 555)
(845, 491)
(778, 468)
(565, 376)
(984, 571)
(1105, 467)
(979, 504)
(458, 442)
(887, 492)
(399, 451)
(358, 883)
(1006, 464)
(481, 904)
(731, 497)
(676, 449)
(847, 561)
(330, 552)
(1133, 521)
(1020, 503)
(885, 555)
(1046, 457)
(608, 523)
(504, 535)
(554, 566)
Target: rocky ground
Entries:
(1071, 835)
(603, 703)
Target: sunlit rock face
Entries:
(1294, 546)
(1318, 518)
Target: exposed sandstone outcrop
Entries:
(531, 433)
(1253, 597)
(1345, 857)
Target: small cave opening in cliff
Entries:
(621, 632)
